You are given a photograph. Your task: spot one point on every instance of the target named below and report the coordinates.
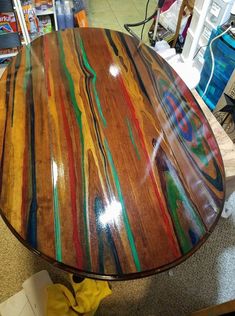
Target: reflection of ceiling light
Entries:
(111, 213)
(55, 172)
(114, 70)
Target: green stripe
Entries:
(78, 114)
(28, 70)
(198, 149)
(94, 78)
(132, 138)
(124, 213)
(176, 194)
(57, 226)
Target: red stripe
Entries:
(46, 66)
(208, 134)
(24, 190)
(174, 244)
(72, 179)
(157, 193)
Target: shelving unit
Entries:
(18, 12)
(199, 15)
(207, 15)
(51, 11)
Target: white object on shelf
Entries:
(186, 70)
(45, 12)
(164, 50)
(219, 12)
(169, 18)
(207, 15)
(201, 8)
(161, 45)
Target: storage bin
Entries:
(219, 11)
(224, 56)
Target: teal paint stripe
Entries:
(198, 148)
(28, 70)
(124, 213)
(132, 138)
(78, 114)
(176, 193)
(94, 79)
(57, 226)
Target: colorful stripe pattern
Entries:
(108, 165)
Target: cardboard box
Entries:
(226, 119)
(7, 23)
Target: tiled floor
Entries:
(113, 14)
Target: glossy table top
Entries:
(109, 168)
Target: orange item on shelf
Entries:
(30, 18)
(81, 18)
(37, 4)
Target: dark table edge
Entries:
(106, 277)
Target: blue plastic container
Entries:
(69, 22)
(68, 15)
(61, 21)
(224, 54)
(60, 15)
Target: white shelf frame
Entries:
(5, 56)
(20, 14)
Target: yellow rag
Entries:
(88, 295)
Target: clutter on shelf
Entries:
(71, 13)
(174, 21)
(30, 18)
(225, 108)
(45, 24)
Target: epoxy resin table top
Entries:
(109, 168)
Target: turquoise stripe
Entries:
(132, 138)
(78, 115)
(57, 226)
(94, 78)
(124, 212)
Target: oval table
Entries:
(109, 169)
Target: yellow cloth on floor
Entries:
(88, 295)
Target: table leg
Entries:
(77, 279)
